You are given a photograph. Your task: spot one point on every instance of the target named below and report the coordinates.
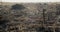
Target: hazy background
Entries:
(26, 1)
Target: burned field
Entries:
(30, 17)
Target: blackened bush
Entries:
(40, 29)
(18, 7)
(57, 30)
(48, 30)
(58, 10)
(3, 22)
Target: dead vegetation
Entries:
(33, 17)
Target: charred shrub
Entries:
(57, 30)
(3, 25)
(44, 29)
(13, 28)
(40, 29)
(1, 17)
(18, 15)
(3, 22)
(48, 30)
(18, 7)
(58, 9)
(58, 13)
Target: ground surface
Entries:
(29, 17)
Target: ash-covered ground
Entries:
(29, 17)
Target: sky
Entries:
(26, 1)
